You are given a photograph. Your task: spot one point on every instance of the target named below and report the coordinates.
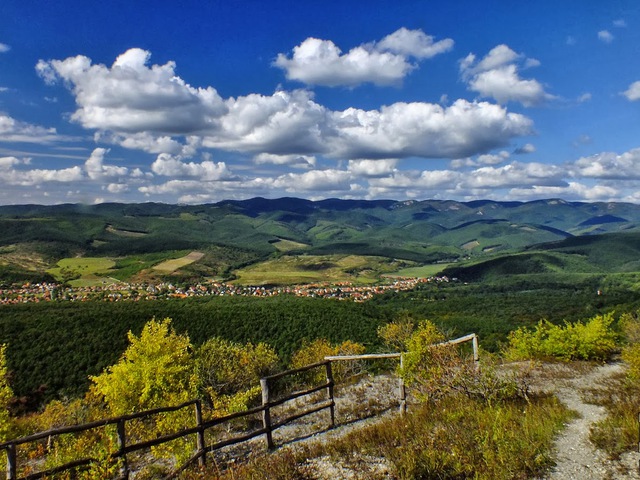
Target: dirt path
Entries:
(576, 456)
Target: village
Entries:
(116, 292)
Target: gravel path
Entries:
(576, 457)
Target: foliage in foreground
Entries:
(471, 423)
(593, 340)
(618, 432)
(462, 438)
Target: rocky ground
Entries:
(374, 398)
(576, 457)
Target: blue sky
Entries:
(196, 102)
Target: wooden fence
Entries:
(201, 426)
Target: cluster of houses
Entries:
(45, 292)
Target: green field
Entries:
(424, 271)
(300, 269)
(85, 271)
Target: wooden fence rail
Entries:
(201, 426)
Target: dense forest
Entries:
(58, 344)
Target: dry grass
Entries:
(170, 266)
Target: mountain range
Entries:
(241, 232)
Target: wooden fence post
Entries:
(332, 408)
(476, 356)
(266, 414)
(11, 462)
(200, 444)
(122, 443)
(402, 390)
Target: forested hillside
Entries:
(232, 234)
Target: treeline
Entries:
(492, 310)
(58, 345)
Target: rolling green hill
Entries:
(599, 254)
(233, 234)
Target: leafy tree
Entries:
(6, 394)
(230, 372)
(396, 333)
(427, 364)
(317, 350)
(157, 369)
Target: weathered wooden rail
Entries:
(198, 429)
(201, 426)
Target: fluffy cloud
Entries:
(96, 170)
(321, 62)
(372, 168)
(29, 178)
(283, 123)
(633, 92)
(168, 166)
(572, 191)
(496, 76)
(425, 130)
(141, 141)
(426, 180)
(117, 188)
(413, 43)
(515, 175)
(131, 97)
(12, 130)
(149, 108)
(8, 162)
(608, 165)
(315, 180)
(4, 48)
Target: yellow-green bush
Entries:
(317, 350)
(593, 340)
(630, 326)
(229, 373)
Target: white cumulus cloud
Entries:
(609, 165)
(321, 62)
(169, 166)
(12, 130)
(633, 92)
(141, 106)
(496, 76)
(425, 130)
(373, 168)
(129, 96)
(96, 169)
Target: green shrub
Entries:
(630, 326)
(593, 340)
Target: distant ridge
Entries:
(241, 232)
